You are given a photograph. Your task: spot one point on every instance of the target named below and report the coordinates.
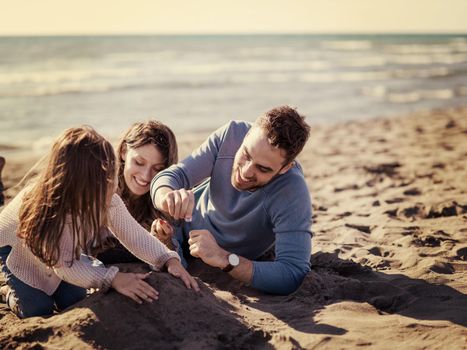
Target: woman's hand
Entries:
(133, 286)
(175, 268)
(163, 231)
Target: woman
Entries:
(49, 230)
(145, 149)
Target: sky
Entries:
(64, 17)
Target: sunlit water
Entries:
(196, 83)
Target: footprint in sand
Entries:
(450, 124)
(438, 165)
(442, 267)
(461, 254)
(421, 211)
(388, 169)
(361, 228)
(433, 240)
(429, 241)
(411, 212)
(446, 146)
(447, 208)
(394, 200)
(377, 251)
(412, 192)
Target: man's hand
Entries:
(204, 246)
(178, 204)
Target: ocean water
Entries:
(197, 83)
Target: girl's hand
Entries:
(163, 231)
(175, 268)
(133, 286)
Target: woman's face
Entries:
(141, 165)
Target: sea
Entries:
(196, 83)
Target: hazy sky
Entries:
(230, 16)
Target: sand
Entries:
(388, 265)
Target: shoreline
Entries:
(194, 138)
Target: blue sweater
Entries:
(243, 222)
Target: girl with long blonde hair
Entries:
(50, 229)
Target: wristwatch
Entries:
(233, 260)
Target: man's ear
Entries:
(287, 167)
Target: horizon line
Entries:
(330, 33)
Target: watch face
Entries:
(234, 260)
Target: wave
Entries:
(355, 76)
(382, 93)
(427, 59)
(347, 45)
(59, 76)
(445, 48)
(248, 66)
(67, 89)
(410, 60)
(142, 56)
(59, 90)
(221, 81)
(265, 51)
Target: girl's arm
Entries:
(135, 238)
(145, 246)
(91, 273)
(85, 271)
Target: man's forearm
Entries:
(244, 271)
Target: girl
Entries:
(145, 149)
(48, 231)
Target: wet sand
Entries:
(388, 266)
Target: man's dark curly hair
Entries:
(285, 129)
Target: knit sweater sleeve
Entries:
(83, 272)
(9, 220)
(87, 272)
(135, 238)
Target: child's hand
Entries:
(163, 231)
(133, 286)
(175, 268)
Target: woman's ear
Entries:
(123, 152)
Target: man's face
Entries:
(257, 162)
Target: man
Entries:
(256, 197)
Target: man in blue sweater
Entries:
(256, 197)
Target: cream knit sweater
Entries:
(85, 272)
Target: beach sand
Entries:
(388, 265)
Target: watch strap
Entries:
(228, 268)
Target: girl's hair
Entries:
(140, 134)
(73, 189)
